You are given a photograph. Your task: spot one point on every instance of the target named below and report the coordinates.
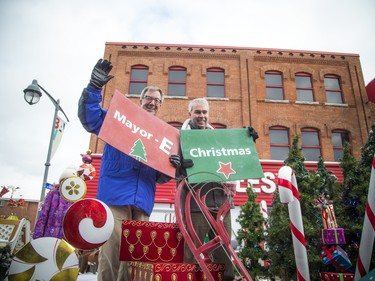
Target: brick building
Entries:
(266, 88)
(320, 96)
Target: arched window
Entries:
(177, 81)
(311, 148)
(279, 142)
(215, 82)
(339, 137)
(138, 79)
(304, 87)
(332, 85)
(274, 85)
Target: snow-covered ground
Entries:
(87, 277)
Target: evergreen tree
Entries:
(295, 160)
(310, 185)
(367, 151)
(354, 196)
(279, 241)
(251, 236)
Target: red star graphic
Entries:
(226, 169)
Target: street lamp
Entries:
(32, 96)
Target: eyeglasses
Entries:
(150, 99)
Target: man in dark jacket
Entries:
(126, 185)
(215, 197)
(215, 193)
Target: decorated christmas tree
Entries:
(351, 207)
(279, 240)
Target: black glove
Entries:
(175, 160)
(177, 163)
(99, 75)
(253, 133)
(187, 163)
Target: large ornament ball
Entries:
(86, 172)
(73, 189)
(45, 258)
(88, 224)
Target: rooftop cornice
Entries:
(231, 49)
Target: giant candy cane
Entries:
(264, 212)
(289, 194)
(368, 231)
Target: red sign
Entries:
(140, 134)
(263, 187)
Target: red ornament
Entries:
(86, 172)
(88, 224)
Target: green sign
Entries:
(220, 155)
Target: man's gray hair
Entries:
(203, 102)
(152, 88)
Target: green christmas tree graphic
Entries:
(138, 151)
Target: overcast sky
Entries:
(59, 42)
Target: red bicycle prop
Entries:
(222, 239)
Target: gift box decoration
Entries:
(332, 236)
(337, 257)
(332, 276)
(328, 217)
(151, 242)
(142, 271)
(328, 214)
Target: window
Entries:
(218, 126)
(339, 137)
(311, 148)
(333, 89)
(279, 140)
(138, 79)
(274, 85)
(177, 81)
(215, 82)
(177, 125)
(304, 87)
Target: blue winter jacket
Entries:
(123, 180)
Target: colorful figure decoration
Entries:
(331, 236)
(86, 171)
(49, 223)
(326, 207)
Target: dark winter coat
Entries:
(214, 193)
(123, 179)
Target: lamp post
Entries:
(32, 96)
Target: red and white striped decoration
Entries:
(263, 209)
(264, 212)
(288, 189)
(368, 231)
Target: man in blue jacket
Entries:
(126, 185)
